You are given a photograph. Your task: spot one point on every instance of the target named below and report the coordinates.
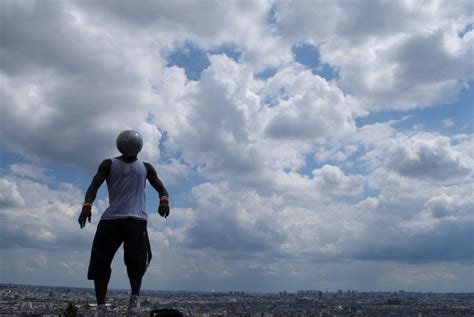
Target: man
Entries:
(125, 220)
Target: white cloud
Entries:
(391, 55)
(428, 157)
(172, 172)
(399, 223)
(211, 24)
(227, 221)
(41, 217)
(331, 179)
(223, 125)
(28, 171)
(441, 209)
(448, 122)
(309, 107)
(9, 195)
(297, 220)
(66, 95)
(211, 120)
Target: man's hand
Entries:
(164, 211)
(164, 208)
(85, 214)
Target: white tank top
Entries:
(126, 185)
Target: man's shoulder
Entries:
(105, 163)
(108, 160)
(149, 167)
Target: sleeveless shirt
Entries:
(126, 186)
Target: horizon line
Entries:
(2, 284)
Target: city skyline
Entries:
(46, 300)
(304, 144)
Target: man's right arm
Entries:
(152, 176)
(97, 181)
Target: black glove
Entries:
(164, 208)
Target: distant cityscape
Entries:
(26, 300)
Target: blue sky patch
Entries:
(191, 58)
(267, 73)
(194, 60)
(447, 119)
(308, 55)
(54, 173)
(469, 27)
(230, 50)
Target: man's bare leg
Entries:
(135, 285)
(101, 290)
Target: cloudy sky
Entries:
(305, 144)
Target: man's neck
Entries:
(128, 159)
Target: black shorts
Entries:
(109, 236)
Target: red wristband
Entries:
(87, 206)
(164, 201)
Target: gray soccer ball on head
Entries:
(129, 142)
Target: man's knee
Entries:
(99, 272)
(136, 266)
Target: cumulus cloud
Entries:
(226, 222)
(215, 128)
(9, 195)
(403, 228)
(403, 224)
(396, 222)
(428, 157)
(233, 124)
(443, 208)
(295, 220)
(173, 172)
(331, 179)
(28, 171)
(66, 95)
(390, 55)
(37, 216)
(309, 108)
(240, 24)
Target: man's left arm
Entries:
(152, 176)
